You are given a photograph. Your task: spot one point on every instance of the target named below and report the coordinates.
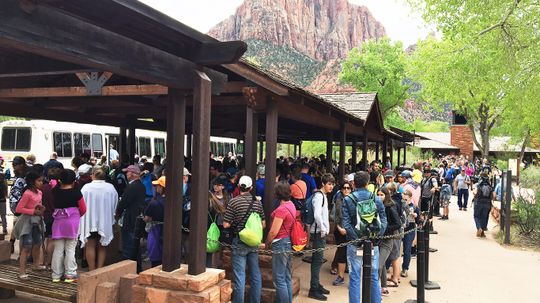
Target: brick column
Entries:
(461, 137)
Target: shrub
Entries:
(530, 178)
(528, 215)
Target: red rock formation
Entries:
(321, 29)
(327, 81)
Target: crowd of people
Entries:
(71, 210)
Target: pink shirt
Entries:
(29, 201)
(416, 192)
(287, 212)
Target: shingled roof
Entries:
(358, 104)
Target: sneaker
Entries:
(324, 290)
(465, 208)
(413, 255)
(483, 235)
(479, 233)
(404, 273)
(70, 278)
(56, 280)
(338, 281)
(317, 295)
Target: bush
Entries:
(528, 215)
(530, 178)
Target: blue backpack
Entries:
(307, 212)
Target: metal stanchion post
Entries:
(508, 207)
(420, 271)
(502, 209)
(429, 285)
(366, 272)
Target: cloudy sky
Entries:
(400, 23)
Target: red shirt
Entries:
(287, 212)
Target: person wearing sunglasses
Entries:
(340, 234)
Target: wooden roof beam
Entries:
(29, 65)
(80, 91)
(48, 32)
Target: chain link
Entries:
(306, 251)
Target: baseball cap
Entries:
(261, 169)
(389, 173)
(245, 182)
(84, 169)
(132, 168)
(406, 173)
(186, 172)
(160, 181)
(350, 177)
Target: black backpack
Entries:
(484, 192)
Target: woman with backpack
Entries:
(279, 239)
(218, 198)
(413, 218)
(340, 235)
(69, 206)
(386, 245)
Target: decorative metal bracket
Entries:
(93, 82)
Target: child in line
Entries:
(69, 206)
(446, 194)
(30, 226)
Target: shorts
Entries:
(395, 252)
(445, 202)
(94, 236)
(33, 238)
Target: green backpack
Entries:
(252, 233)
(368, 221)
(212, 237)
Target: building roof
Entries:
(496, 144)
(359, 104)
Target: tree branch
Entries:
(502, 23)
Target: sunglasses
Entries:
(346, 187)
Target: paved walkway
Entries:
(469, 270)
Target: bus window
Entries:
(62, 144)
(97, 145)
(159, 146)
(82, 144)
(16, 139)
(144, 147)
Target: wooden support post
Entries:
(329, 147)
(300, 149)
(398, 164)
(122, 145)
(132, 150)
(364, 151)
(202, 103)
(189, 147)
(342, 160)
(385, 151)
(172, 235)
(377, 148)
(250, 142)
(295, 153)
(405, 155)
(391, 150)
(271, 154)
(354, 154)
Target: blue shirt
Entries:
(259, 189)
(310, 182)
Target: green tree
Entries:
(379, 66)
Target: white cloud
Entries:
(201, 15)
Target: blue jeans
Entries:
(481, 214)
(462, 197)
(407, 245)
(240, 256)
(355, 272)
(281, 270)
(316, 261)
(128, 245)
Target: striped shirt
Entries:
(237, 209)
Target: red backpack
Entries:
(299, 236)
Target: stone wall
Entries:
(461, 137)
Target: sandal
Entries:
(24, 277)
(385, 292)
(392, 283)
(333, 271)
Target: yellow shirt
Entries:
(417, 176)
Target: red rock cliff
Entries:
(321, 29)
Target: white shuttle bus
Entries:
(42, 137)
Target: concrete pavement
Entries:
(469, 270)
